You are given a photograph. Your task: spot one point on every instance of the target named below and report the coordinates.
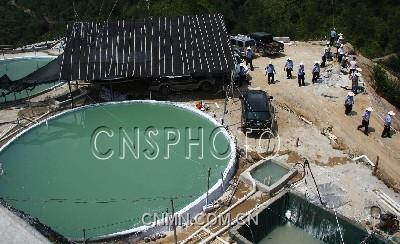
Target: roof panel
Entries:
(152, 47)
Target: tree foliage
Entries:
(370, 25)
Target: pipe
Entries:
(254, 189)
(366, 158)
(30, 123)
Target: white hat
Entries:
(270, 62)
(248, 48)
(328, 43)
(391, 113)
(347, 58)
(289, 58)
(358, 74)
(351, 94)
(341, 45)
(369, 109)
(316, 62)
(359, 69)
(340, 34)
(301, 63)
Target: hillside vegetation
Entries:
(371, 26)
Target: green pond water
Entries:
(289, 234)
(20, 67)
(69, 180)
(269, 173)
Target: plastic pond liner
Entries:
(102, 167)
(17, 68)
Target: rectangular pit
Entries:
(270, 175)
(290, 218)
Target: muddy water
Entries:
(269, 173)
(289, 234)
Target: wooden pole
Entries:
(208, 184)
(376, 166)
(173, 221)
(222, 182)
(70, 93)
(111, 92)
(84, 235)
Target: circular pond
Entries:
(101, 168)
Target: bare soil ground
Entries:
(323, 106)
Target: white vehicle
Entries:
(242, 42)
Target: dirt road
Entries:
(323, 105)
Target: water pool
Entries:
(94, 168)
(289, 234)
(17, 68)
(269, 172)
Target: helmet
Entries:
(369, 109)
(391, 113)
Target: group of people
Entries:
(335, 40)
(387, 122)
(270, 72)
(343, 59)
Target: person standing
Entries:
(348, 103)
(326, 54)
(315, 72)
(354, 82)
(289, 68)
(365, 120)
(387, 123)
(270, 71)
(301, 75)
(353, 65)
(249, 58)
(340, 53)
(333, 37)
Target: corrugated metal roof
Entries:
(151, 47)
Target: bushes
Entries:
(389, 89)
(393, 63)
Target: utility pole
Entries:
(173, 221)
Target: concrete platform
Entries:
(15, 230)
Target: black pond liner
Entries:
(318, 222)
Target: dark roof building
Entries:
(148, 48)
